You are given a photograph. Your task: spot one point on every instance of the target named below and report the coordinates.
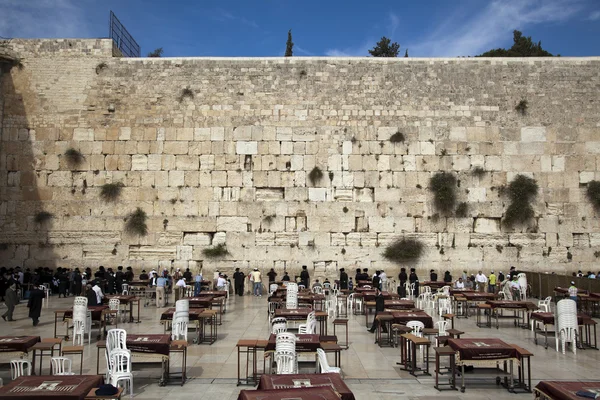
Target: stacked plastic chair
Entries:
(181, 319)
(566, 324)
(118, 359)
(82, 321)
(324, 364)
(522, 279)
(285, 353)
(278, 325)
(310, 327)
(291, 300)
(115, 305)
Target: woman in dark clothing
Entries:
(36, 298)
(412, 278)
(447, 277)
(402, 277)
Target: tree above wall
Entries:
(522, 46)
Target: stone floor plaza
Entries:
(369, 371)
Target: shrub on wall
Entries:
(443, 186)
(136, 223)
(111, 191)
(521, 191)
(593, 193)
(186, 93)
(478, 172)
(397, 137)
(404, 251)
(74, 157)
(214, 252)
(315, 175)
(521, 107)
(43, 216)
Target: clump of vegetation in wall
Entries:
(43, 216)
(136, 223)
(74, 156)
(331, 175)
(404, 251)
(268, 219)
(302, 73)
(315, 175)
(443, 186)
(499, 248)
(345, 209)
(100, 67)
(462, 210)
(597, 254)
(111, 191)
(397, 137)
(186, 93)
(521, 107)
(593, 193)
(443, 152)
(478, 172)
(214, 252)
(521, 191)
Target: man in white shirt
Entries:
(99, 294)
(221, 283)
(180, 289)
(383, 279)
(459, 284)
(257, 279)
(481, 280)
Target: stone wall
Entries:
(227, 161)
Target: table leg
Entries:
(130, 311)
(462, 381)
(97, 360)
(511, 386)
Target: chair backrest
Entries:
(522, 281)
(285, 337)
(416, 326)
(312, 316)
(446, 290)
(300, 287)
(80, 301)
(522, 275)
(114, 304)
(116, 340)
(61, 365)
(286, 362)
(442, 326)
(19, 368)
(427, 289)
(278, 328)
(272, 307)
(327, 285)
(120, 361)
(182, 305)
(273, 287)
(317, 289)
(367, 287)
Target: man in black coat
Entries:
(376, 281)
(304, 277)
(11, 301)
(36, 298)
(238, 282)
(432, 276)
(379, 307)
(343, 279)
(402, 278)
(119, 279)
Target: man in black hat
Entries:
(36, 299)
(343, 279)
(238, 279)
(304, 277)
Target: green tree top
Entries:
(384, 48)
(289, 45)
(523, 46)
(156, 53)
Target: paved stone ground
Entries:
(371, 372)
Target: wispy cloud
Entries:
(494, 23)
(594, 16)
(394, 21)
(223, 15)
(42, 18)
(298, 49)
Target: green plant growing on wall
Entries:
(42, 216)
(186, 93)
(593, 193)
(478, 172)
(315, 175)
(100, 67)
(215, 252)
(136, 223)
(521, 192)
(111, 191)
(462, 210)
(397, 137)
(268, 219)
(443, 186)
(521, 107)
(74, 157)
(404, 251)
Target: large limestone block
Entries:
(487, 225)
(242, 133)
(83, 134)
(527, 239)
(381, 224)
(533, 134)
(197, 238)
(139, 162)
(232, 224)
(488, 239)
(318, 194)
(138, 252)
(286, 238)
(83, 237)
(246, 147)
(184, 253)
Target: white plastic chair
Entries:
(272, 288)
(417, 327)
(544, 305)
(324, 364)
(61, 366)
(308, 328)
(120, 369)
(116, 340)
(125, 289)
(80, 301)
(300, 287)
(441, 326)
(445, 306)
(568, 335)
(179, 330)
(278, 325)
(285, 361)
(272, 307)
(317, 290)
(18, 368)
(115, 305)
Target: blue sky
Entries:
(428, 28)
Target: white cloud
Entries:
(300, 50)
(393, 23)
(594, 16)
(493, 24)
(223, 15)
(43, 19)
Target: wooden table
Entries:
(64, 387)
